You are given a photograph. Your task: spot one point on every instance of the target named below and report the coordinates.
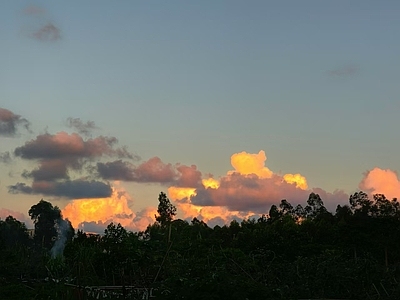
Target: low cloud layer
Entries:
(10, 123)
(79, 167)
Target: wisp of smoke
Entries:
(62, 228)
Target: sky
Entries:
(227, 106)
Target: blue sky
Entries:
(312, 83)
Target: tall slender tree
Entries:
(166, 210)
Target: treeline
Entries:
(290, 253)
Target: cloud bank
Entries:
(79, 167)
(60, 155)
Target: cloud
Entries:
(41, 28)
(81, 127)
(60, 154)
(9, 123)
(380, 181)
(4, 213)
(249, 193)
(347, 70)
(72, 189)
(94, 227)
(116, 170)
(248, 163)
(248, 190)
(5, 157)
(93, 215)
(20, 188)
(34, 10)
(331, 200)
(188, 176)
(49, 170)
(212, 215)
(47, 33)
(153, 170)
(64, 145)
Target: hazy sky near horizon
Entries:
(314, 84)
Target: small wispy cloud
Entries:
(9, 123)
(5, 157)
(347, 70)
(33, 10)
(41, 28)
(84, 128)
(47, 33)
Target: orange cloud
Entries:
(298, 179)
(248, 163)
(212, 215)
(379, 181)
(210, 183)
(103, 211)
(178, 193)
(248, 190)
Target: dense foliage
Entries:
(289, 253)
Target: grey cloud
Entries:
(59, 154)
(9, 123)
(49, 170)
(347, 70)
(151, 171)
(47, 33)
(81, 127)
(20, 188)
(72, 189)
(94, 227)
(5, 157)
(41, 28)
(116, 170)
(64, 145)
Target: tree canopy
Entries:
(293, 252)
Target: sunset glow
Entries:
(248, 163)
(298, 179)
(379, 181)
(105, 210)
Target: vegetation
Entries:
(289, 253)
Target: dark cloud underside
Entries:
(75, 189)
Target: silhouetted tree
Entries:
(44, 217)
(166, 210)
(315, 206)
(12, 233)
